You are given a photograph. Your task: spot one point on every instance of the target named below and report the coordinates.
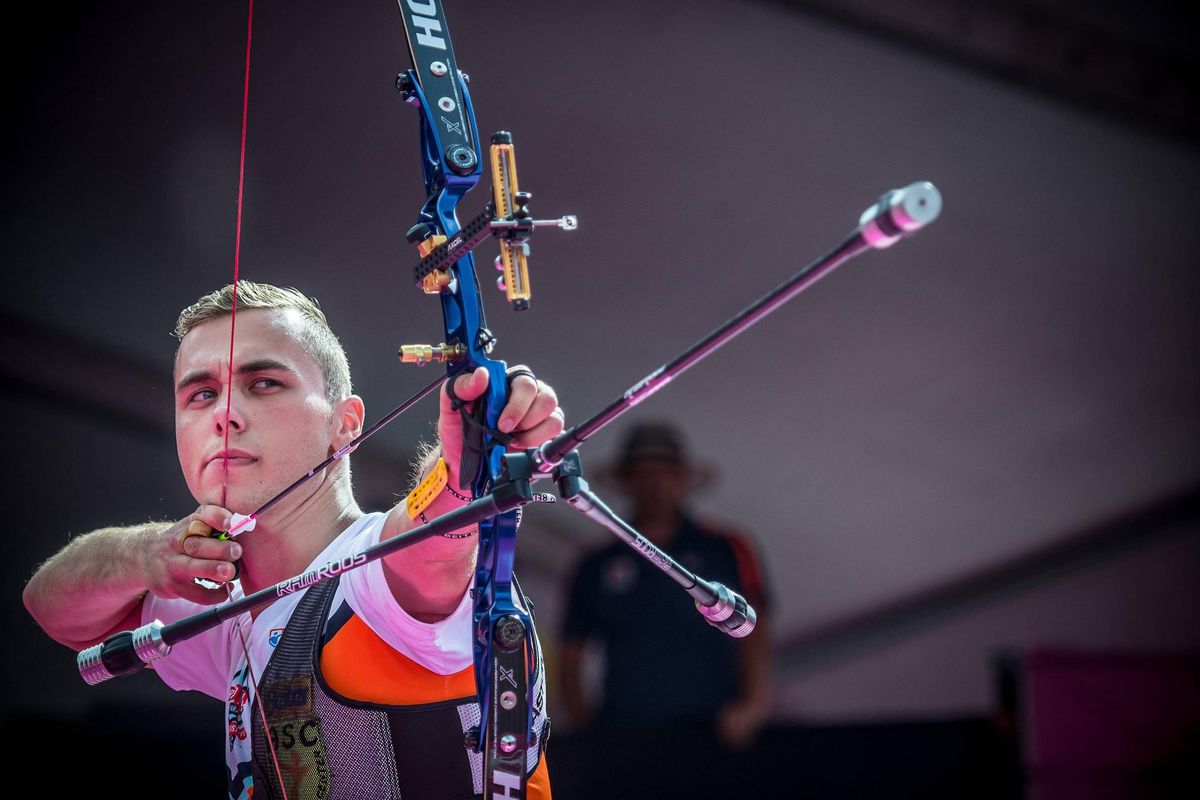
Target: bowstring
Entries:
(237, 253)
(237, 246)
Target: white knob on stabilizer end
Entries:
(900, 213)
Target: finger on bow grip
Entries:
(474, 418)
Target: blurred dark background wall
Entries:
(958, 457)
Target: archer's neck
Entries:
(284, 544)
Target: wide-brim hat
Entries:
(660, 442)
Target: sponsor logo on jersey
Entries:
(239, 696)
(303, 758)
(274, 636)
(289, 698)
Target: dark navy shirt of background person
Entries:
(663, 662)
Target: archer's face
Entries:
(280, 421)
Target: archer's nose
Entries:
(228, 415)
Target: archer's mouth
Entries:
(231, 461)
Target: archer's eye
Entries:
(202, 396)
(266, 384)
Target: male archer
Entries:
(369, 689)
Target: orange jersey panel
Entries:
(359, 665)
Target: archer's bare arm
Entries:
(94, 586)
(428, 579)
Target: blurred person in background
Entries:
(669, 679)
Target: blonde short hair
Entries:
(315, 337)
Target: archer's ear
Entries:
(349, 414)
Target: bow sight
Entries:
(506, 217)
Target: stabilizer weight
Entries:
(122, 654)
(729, 612)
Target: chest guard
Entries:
(337, 748)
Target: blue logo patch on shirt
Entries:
(275, 635)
